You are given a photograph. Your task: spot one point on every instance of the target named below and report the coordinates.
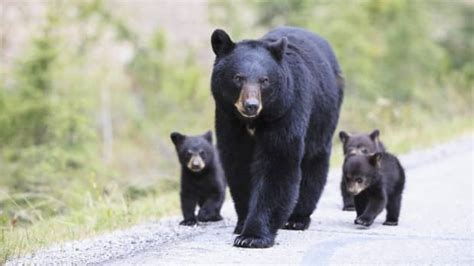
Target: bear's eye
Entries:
(359, 180)
(238, 78)
(351, 150)
(189, 153)
(201, 153)
(364, 150)
(264, 81)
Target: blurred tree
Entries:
(45, 133)
(458, 40)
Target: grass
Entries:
(104, 215)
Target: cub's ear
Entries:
(208, 136)
(177, 138)
(278, 48)
(344, 136)
(375, 135)
(221, 43)
(375, 158)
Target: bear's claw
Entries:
(391, 223)
(189, 222)
(362, 221)
(297, 223)
(252, 242)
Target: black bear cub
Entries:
(377, 182)
(202, 178)
(357, 144)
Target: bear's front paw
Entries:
(391, 223)
(298, 223)
(253, 242)
(188, 222)
(349, 208)
(363, 221)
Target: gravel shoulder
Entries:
(436, 227)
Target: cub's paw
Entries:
(252, 242)
(391, 223)
(238, 228)
(349, 208)
(363, 221)
(203, 217)
(188, 222)
(299, 223)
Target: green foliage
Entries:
(389, 53)
(52, 117)
(45, 130)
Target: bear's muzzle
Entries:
(196, 163)
(249, 103)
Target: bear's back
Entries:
(310, 45)
(392, 172)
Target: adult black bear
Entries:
(202, 178)
(277, 106)
(377, 182)
(357, 144)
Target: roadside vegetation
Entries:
(84, 128)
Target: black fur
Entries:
(381, 179)
(206, 187)
(277, 162)
(361, 144)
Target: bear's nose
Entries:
(251, 106)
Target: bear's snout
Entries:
(196, 163)
(354, 188)
(249, 103)
(251, 106)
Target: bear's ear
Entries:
(177, 138)
(344, 136)
(374, 159)
(221, 43)
(374, 135)
(277, 48)
(208, 136)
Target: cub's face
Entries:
(359, 171)
(360, 143)
(194, 152)
(247, 75)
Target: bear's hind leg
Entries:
(393, 210)
(314, 175)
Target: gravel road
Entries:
(436, 227)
